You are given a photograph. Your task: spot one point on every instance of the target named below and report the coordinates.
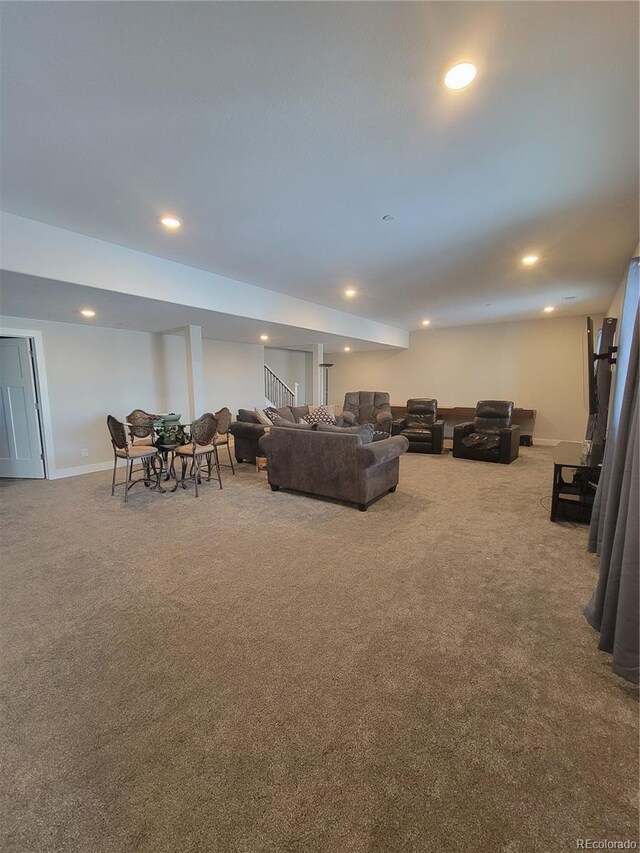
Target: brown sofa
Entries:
(333, 464)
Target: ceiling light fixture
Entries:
(264, 337)
(171, 222)
(460, 75)
(530, 260)
(387, 218)
(426, 322)
(350, 293)
(88, 312)
(347, 349)
(549, 309)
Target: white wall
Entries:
(233, 375)
(539, 364)
(92, 371)
(291, 366)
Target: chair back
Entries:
(224, 420)
(117, 432)
(141, 423)
(492, 416)
(203, 430)
(366, 405)
(421, 412)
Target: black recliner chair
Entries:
(421, 426)
(490, 437)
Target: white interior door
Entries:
(20, 442)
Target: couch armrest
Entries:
(398, 425)
(241, 429)
(509, 443)
(463, 429)
(379, 452)
(437, 434)
(265, 444)
(384, 420)
(348, 418)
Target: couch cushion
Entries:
(286, 413)
(365, 431)
(422, 435)
(282, 422)
(299, 412)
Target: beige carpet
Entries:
(258, 672)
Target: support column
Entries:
(318, 375)
(195, 370)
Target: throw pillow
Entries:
(262, 417)
(272, 414)
(321, 415)
(286, 413)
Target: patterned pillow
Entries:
(321, 415)
(272, 413)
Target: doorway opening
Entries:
(22, 453)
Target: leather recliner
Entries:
(490, 437)
(420, 426)
(367, 407)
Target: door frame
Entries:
(42, 391)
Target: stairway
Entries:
(277, 392)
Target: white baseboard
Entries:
(546, 442)
(60, 473)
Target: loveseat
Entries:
(332, 464)
(247, 430)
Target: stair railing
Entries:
(277, 391)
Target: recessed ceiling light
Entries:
(548, 309)
(460, 75)
(88, 312)
(387, 218)
(264, 337)
(569, 298)
(347, 349)
(350, 293)
(530, 260)
(171, 222)
(426, 322)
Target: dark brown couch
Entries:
(333, 464)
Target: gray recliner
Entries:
(367, 407)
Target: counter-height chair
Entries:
(147, 454)
(201, 446)
(222, 436)
(141, 427)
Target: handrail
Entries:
(277, 391)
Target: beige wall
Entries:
(93, 371)
(538, 364)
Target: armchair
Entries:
(490, 437)
(420, 426)
(367, 407)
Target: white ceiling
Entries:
(283, 132)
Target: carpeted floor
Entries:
(258, 672)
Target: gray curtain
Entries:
(614, 533)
